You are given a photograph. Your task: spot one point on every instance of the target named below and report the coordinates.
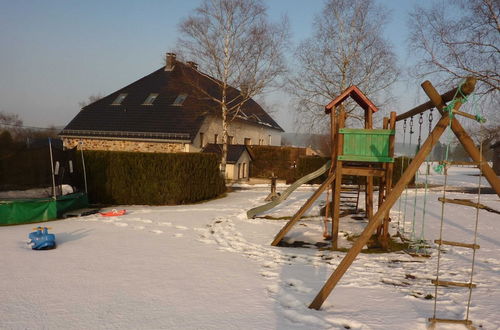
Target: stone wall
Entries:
(123, 145)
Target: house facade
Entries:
(166, 112)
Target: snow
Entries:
(205, 266)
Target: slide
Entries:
(266, 207)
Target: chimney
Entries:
(192, 64)
(170, 62)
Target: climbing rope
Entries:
(475, 227)
(401, 172)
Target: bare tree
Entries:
(347, 49)
(458, 39)
(454, 40)
(91, 99)
(237, 47)
(12, 123)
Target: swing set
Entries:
(373, 151)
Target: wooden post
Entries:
(389, 173)
(338, 180)
(381, 212)
(369, 179)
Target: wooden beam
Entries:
(467, 88)
(463, 137)
(303, 209)
(363, 171)
(381, 212)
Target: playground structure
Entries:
(363, 152)
(376, 156)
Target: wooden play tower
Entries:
(365, 152)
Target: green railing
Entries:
(366, 145)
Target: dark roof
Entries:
(357, 95)
(234, 151)
(161, 120)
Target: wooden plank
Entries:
(451, 283)
(363, 171)
(467, 202)
(392, 197)
(466, 245)
(303, 209)
(466, 322)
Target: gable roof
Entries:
(234, 151)
(132, 119)
(355, 93)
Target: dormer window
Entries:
(180, 99)
(150, 99)
(119, 99)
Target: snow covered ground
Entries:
(206, 266)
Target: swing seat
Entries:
(366, 145)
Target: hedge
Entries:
(152, 178)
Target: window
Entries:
(216, 137)
(270, 139)
(150, 99)
(180, 99)
(119, 99)
(244, 170)
(261, 142)
(201, 139)
(230, 139)
(248, 141)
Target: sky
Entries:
(56, 53)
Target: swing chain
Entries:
(431, 118)
(404, 126)
(411, 126)
(420, 122)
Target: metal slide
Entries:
(259, 209)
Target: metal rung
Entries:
(450, 283)
(435, 320)
(470, 246)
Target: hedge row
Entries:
(152, 178)
(268, 160)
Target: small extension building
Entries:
(238, 160)
(166, 111)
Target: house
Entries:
(238, 160)
(166, 112)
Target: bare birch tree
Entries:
(237, 47)
(347, 49)
(453, 40)
(458, 39)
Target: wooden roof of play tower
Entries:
(356, 95)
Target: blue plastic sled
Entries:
(41, 239)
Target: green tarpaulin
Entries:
(19, 211)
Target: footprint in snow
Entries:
(182, 227)
(157, 231)
(168, 224)
(139, 227)
(178, 235)
(121, 224)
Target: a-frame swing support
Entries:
(412, 168)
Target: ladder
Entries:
(433, 321)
